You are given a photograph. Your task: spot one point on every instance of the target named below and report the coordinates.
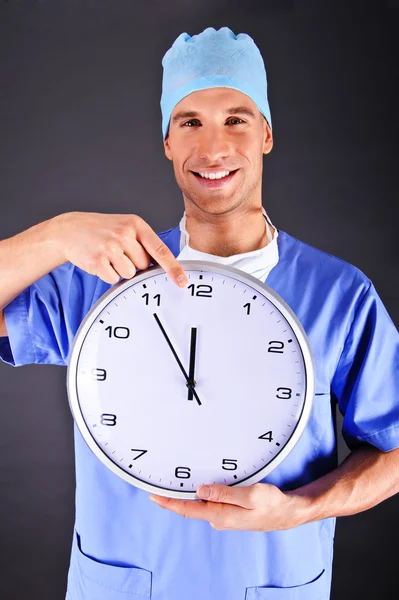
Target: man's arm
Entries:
(364, 479)
(109, 246)
(25, 258)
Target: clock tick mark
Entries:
(279, 321)
(114, 452)
(130, 466)
(284, 330)
(254, 297)
(115, 304)
(134, 291)
(298, 394)
(235, 476)
(270, 452)
(272, 312)
(277, 444)
(234, 286)
(289, 341)
(201, 277)
(108, 312)
(264, 304)
(94, 425)
(144, 285)
(101, 321)
(125, 297)
(263, 459)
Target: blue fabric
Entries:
(212, 59)
(124, 546)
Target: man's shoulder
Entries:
(313, 261)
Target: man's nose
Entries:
(213, 145)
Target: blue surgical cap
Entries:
(212, 59)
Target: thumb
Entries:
(240, 496)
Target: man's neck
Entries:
(228, 236)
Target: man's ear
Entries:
(268, 138)
(168, 152)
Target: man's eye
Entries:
(191, 121)
(236, 119)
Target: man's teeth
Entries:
(219, 175)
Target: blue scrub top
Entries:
(125, 546)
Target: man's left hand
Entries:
(259, 507)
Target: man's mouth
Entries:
(216, 182)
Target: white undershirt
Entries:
(257, 263)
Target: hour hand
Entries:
(192, 363)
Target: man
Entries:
(269, 540)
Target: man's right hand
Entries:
(112, 245)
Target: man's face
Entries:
(215, 130)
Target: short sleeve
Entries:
(366, 381)
(43, 319)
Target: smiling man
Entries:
(272, 540)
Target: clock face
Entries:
(172, 388)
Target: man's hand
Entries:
(259, 507)
(111, 246)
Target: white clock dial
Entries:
(172, 388)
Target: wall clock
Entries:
(172, 388)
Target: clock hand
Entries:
(192, 362)
(188, 380)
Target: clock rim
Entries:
(193, 265)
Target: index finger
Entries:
(161, 253)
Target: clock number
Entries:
(205, 292)
(109, 420)
(248, 307)
(99, 374)
(141, 453)
(183, 472)
(123, 332)
(231, 464)
(157, 297)
(266, 436)
(286, 393)
(277, 348)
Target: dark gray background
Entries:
(80, 129)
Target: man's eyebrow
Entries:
(192, 114)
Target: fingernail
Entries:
(204, 492)
(182, 280)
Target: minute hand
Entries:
(190, 383)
